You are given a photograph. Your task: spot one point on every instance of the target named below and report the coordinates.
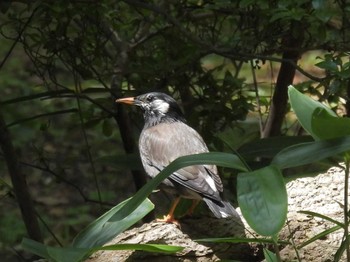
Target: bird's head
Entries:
(157, 107)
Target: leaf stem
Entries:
(276, 248)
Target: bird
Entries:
(165, 137)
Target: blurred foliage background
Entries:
(63, 63)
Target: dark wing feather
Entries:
(163, 143)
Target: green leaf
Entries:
(344, 244)
(212, 158)
(314, 214)
(269, 147)
(74, 254)
(270, 256)
(262, 197)
(57, 254)
(321, 235)
(102, 230)
(307, 153)
(304, 108)
(241, 240)
(144, 247)
(326, 126)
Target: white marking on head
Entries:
(161, 106)
(211, 183)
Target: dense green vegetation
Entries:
(69, 153)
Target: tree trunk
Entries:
(19, 183)
(285, 78)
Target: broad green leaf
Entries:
(307, 153)
(262, 197)
(328, 65)
(57, 254)
(144, 247)
(304, 108)
(269, 147)
(102, 230)
(270, 256)
(213, 158)
(327, 126)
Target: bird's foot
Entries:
(169, 219)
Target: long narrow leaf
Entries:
(56, 254)
(262, 197)
(270, 256)
(242, 240)
(144, 247)
(319, 236)
(314, 214)
(341, 249)
(102, 230)
(213, 158)
(307, 153)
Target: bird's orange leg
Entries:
(169, 218)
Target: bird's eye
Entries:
(150, 98)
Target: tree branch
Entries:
(19, 183)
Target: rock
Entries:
(191, 229)
(322, 194)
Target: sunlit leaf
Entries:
(262, 197)
(241, 240)
(270, 256)
(214, 158)
(319, 236)
(327, 126)
(304, 108)
(307, 153)
(144, 247)
(102, 230)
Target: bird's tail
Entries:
(221, 209)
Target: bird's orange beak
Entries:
(126, 100)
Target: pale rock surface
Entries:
(323, 194)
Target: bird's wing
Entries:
(163, 143)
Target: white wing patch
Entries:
(211, 183)
(161, 106)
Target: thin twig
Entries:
(78, 87)
(17, 38)
(72, 110)
(66, 181)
